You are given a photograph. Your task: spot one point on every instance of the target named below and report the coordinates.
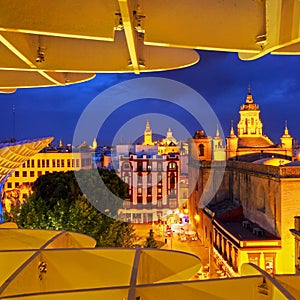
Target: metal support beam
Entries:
(126, 8)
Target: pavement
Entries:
(195, 247)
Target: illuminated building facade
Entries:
(12, 155)
(18, 185)
(249, 216)
(152, 182)
(251, 144)
(152, 174)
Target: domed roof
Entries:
(255, 142)
(272, 161)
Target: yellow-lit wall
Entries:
(41, 164)
(249, 184)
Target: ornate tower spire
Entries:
(148, 135)
(249, 98)
(286, 131)
(250, 124)
(286, 138)
(95, 144)
(232, 134)
(232, 143)
(148, 126)
(217, 131)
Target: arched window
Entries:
(201, 150)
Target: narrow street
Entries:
(174, 243)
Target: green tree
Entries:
(150, 241)
(106, 195)
(58, 203)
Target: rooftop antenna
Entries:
(14, 121)
(249, 88)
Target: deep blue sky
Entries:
(221, 78)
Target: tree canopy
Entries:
(150, 241)
(58, 203)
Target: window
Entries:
(159, 166)
(254, 258)
(126, 165)
(47, 163)
(68, 163)
(159, 190)
(139, 178)
(149, 167)
(149, 191)
(40, 173)
(31, 174)
(62, 163)
(172, 179)
(16, 184)
(149, 178)
(32, 163)
(58, 163)
(9, 185)
(201, 150)
(139, 191)
(39, 163)
(235, 257)
(172, 165)
(126, 179)
(140, 167)
(24, 174)
(43, 163)
(270, 262)
(159, 178)
(17, 174)
(53, 163)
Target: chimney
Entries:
(297, 223)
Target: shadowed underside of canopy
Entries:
(48, 43)
(13, 155)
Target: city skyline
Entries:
(221, 78)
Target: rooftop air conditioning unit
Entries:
(258, 231)
(246, 224)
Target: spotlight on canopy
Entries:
(48, 43)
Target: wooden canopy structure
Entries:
(49, 43)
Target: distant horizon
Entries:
(220, 77)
